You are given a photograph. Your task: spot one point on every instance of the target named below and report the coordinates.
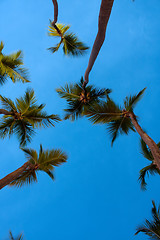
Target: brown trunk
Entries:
(149, 141)
(55, 11)
(5, 112)
(12, 176)
(105, 11)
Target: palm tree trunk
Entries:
(12, 176)
(147, 139)
(55, 11)
(105, 11)
(5, 112)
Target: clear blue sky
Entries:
(96, 194)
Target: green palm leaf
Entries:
(11, 66)
(150, 169)
(151, 228)
(20, 237)
(71, 45)
(131, 101)
(78, 100)
(45, 161)
(26, 115)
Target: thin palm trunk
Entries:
(55, 11)
(12, 176)
(147, 139)
(105, 11)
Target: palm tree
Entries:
(71, 44)
(20, 237)
(104, 15)
(10, 66)
(23, 116)
(151, 168)
(152, 228)
(45, 161)
(121, 120)
(79, 100)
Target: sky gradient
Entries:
(96, 194)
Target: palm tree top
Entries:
(115, 116)
(150, 169)
(78, 99)
(71, 44)
(45, 160)
(11, 66)
(152, 228)
(23, 116)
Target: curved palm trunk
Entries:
(55, 11)
(5, 112)
(147, 139)
(105, 11)
(12, 176)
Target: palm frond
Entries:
(71, 45)
(20, 237)
(151, 228)
(146, 151)
(150, 169)
(8, 104)
(1, 46)
(131, 101)
(6, 126)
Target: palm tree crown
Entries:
(151, 168)
(71, 44)
(152, 228)
(10, 66)
(23, 116)
(45, 161)
(78, 99)
(116, 117)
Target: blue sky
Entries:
(96, 194)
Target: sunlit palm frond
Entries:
(151, 228)
(11, 66)
(71, 44)
(131, 101)
(45, 161)
(78, 100)
(1, 46)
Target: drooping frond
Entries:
(131, 101)
(20, 237)
(8, 104)
(1, 46)
(6, 126)
(71, 44)
(151, 228)
(119, 126)
(79, 101)
(150, 169)
(146, 151)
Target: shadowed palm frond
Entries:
(45, 161)
(78, 100)
(26, 115)
(151, 228)
(20, 237)
(71, 45)
(11, 66)
(150, 169)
